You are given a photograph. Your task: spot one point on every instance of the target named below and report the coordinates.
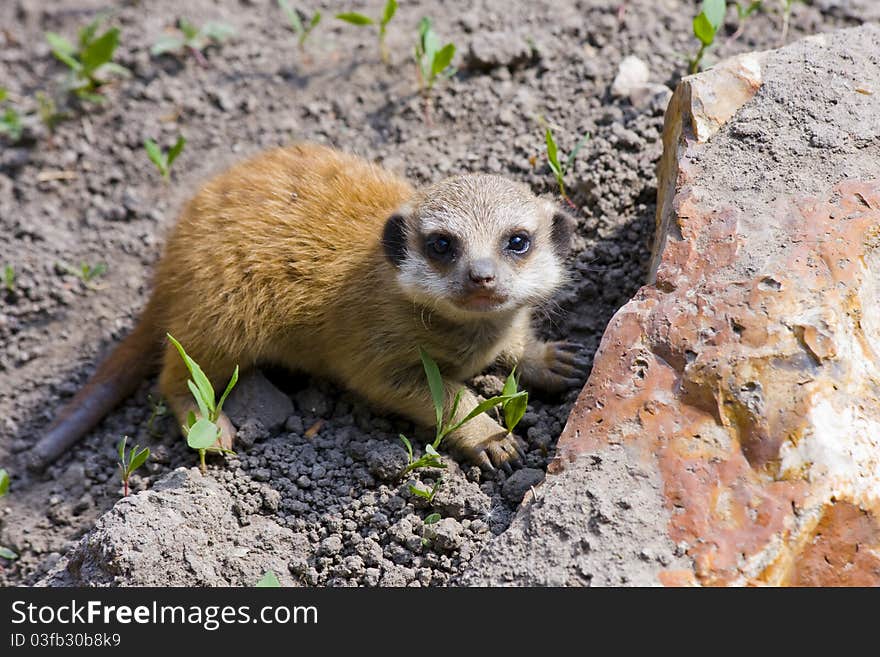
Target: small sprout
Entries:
(300, 28)
(86, 272)
(158, 410)
(130, 462)
(444, 426)
(743, 11)
(706, 25)
(427, 494)
(269, 581)
(90, 61)
(433, 61)
(786, 19)
(5, 553)
(202, 432)
(162, 160)
(432, 519)
(48, 112)
(515, 406)
(560, 170)
(355, 18)
(10, 121)
(192, 39)
(9, 278)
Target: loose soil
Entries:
(326, 474)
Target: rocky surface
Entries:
(744, 380)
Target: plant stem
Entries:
(202, 467)
(695, 62)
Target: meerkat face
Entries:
(474, 245)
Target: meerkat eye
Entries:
(440, 246)
(518, 243)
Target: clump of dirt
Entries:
(87, 193)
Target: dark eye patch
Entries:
(440, 247)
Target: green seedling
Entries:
(786, 19)
(427, 494)
(445, 426)
(131, 461)
(302, 26)
(89, 61)
(9, 278)
(47, 110)
(5, 553)
(433, 61)
(269, 581)
(432, 519)
(359, 19)
(86, 272)
(561, 169)
(192, 39)
(743, 11)
(158, 410)
(706, 25)
(164, 160)
(10, 121)
(202, 432)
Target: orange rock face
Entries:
(747, 374)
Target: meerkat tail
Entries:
(116, 378)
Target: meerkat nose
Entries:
(482, 272)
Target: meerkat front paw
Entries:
(554, 366)
(485, 443)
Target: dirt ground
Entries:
(86, 193)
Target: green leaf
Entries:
(6, 553)
(355, 19)
(226, 392)
(100, 51)
(714, 11)
(203, 409)
(408, 445)
(269, 580)
(432, 519)
(4, 482)
(574, 152)
(430, 43)
(206, 390)
(59, 44)
(425, 494)
(10, 124)
(155, 154)
(514, 409)
(552, 152)
(217, 31)
(442, 58)
(292, 16)
(315, 20)
(484, 406)
(390, 10)
(165, 44)
(203, 434)
(435, 383)
(190, 419)
(113, 67)
(704, 30)
(122, 449)
(175, 150)
(139, 458)
(429, 449)
(87, 33)
(510, 383)
(3, 94)
(454, 409)
(189, 30)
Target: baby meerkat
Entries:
(321, 262)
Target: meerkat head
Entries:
(474, 245)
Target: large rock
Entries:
(186, 531)
(745, 378)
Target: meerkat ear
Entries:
(562, 231)
(394, 238)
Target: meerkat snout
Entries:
(478, 244)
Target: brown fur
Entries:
(280, 260)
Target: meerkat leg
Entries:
(481, 440)
(550, 366)
(173, 386)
